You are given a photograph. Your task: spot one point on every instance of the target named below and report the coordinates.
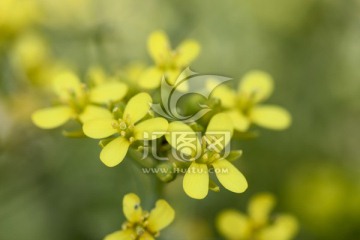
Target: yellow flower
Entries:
(235, 225)
(244, 107)
(204, 156)
(168, 62)
(15, 16)
(130, 128)
(140, 224)
(76, 102)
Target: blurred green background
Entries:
(56, 188)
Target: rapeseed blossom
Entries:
(169, 63)
(205, 156)
(257, 225)
(245, 106)
(129, 127)
(78, 102)
(140, 224)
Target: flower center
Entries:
(125, 127)
(140, 227)
(208, 153)
(245, 103)
(78, 101)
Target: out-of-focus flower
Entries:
(257, 225)
(32, 58)
(140, 224)
(78, 102)
(129, 127)
(324, 201)
(205, 156)
(245, 106)
(57, 13)
(15, 16)
(169, 63)
(132, 73)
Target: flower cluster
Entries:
(118, 111)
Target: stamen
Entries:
(123, 125)
(115, 125)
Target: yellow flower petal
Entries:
(151, 129)
(239, 121)
(133, 72)
(176, 78)
(97, 75)
(233, 225)
(284, 228)
(219, 125)
(127, 234)
(196, 181)
(186, 52)
(172, 76)
(66, 84)
(108, 92)
(222, 92)
(114, 152)
(137, 107)
(229, 176)
(159, 46)
(256, 85)
(131, 208)
(146, 236)
(52, 117)
(260, 207)
(161, 216)
(151, 78)
(93, 112)
(178, 132)
(273, 117)
(99, 128)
